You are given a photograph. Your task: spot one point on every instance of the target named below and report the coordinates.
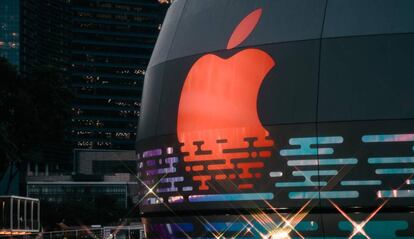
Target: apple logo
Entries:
(218, 124)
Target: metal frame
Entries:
(16, 229)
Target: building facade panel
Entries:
(193, 36)
(355, 18)
(366, 78)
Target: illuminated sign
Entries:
(217, 116)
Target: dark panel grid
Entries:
(367, 78)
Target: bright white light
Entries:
(280, 235)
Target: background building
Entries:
(10, 30)
(97, 174)
(111, 45)
(102, 46)
(102, 189)
(44, 34)
(35, 33)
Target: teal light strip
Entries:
(387, 138)
(306, 162)
(339, 194)
(338, 161)
(396, 193)
(315, 162)
(309, 173)
(299, 184)
(361, 182)
(230, 197)
(303, 195)
(324, 195)
(380, 160)
(306, 151)
(394, 171)
(330, 140)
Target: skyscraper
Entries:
(9, 30)
(111, 45)
(103, 46)
(35, 33)
(45, 34)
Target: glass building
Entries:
(111, 46)
(103, 46)
(45, 34)
(35, 33)
(9, 30)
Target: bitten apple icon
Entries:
(218, 125)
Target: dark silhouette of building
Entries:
(103, 46)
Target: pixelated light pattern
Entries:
(306, 146)
(170, 169)
(307, 175)
(308, 178)
(173, 186)
(160, 176)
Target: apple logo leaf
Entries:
(245, 27)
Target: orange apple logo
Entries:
(218, 125)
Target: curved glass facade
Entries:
(303, 130)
